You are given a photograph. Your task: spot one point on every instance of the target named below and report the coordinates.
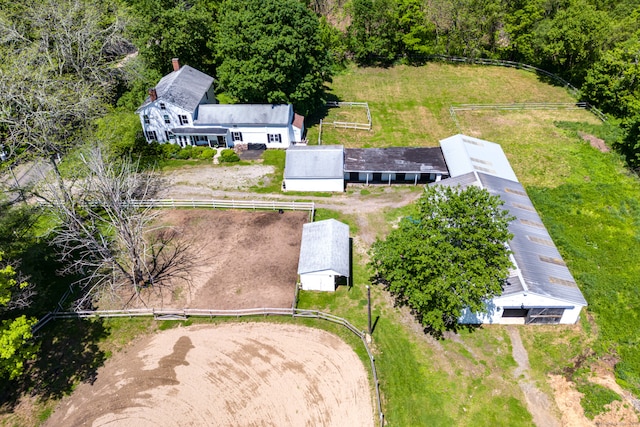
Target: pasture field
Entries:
(589, 203)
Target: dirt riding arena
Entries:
(241, 374)
(244, 258)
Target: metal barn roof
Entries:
(539, 266)
(395, 160)
(314, 161)
(325, 246)
(464, 154)
(183, 88)
(245, 114)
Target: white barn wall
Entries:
(319, 281)
(528, 300)
(335, 185)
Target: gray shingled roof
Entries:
(314, 161)
(325, 246)
(464, 154)
(200, 130)
(183, 88)
(395, 160)
(537, 258)
(245, 114)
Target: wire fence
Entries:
(510, 64)
(183, 314)
(525, 106)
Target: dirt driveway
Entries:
(241, 374)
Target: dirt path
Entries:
(243, 374)
(538, 403)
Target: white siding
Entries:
(320, 281)
(259, 135)
(157, 120)
(525, 300)
(314, 184)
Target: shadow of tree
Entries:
(69, 354)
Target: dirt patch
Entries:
(245, 259)
(595, 142)
(245, 374)
(538, 403)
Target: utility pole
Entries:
(369, 306)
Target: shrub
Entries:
(170, 151)
(185, 153)
(207, 154)
(228, 156)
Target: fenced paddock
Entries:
(181, 314)
(344, 107)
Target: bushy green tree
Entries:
(450, 254)
(16, 346)
(373, 33)
(271, 51)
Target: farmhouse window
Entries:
(151, 135)
(236, 136)
(184, 120)
(274, 137)
(162, 106)
(146, 119)
(166, 119)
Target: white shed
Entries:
(314, 168)
(324, 255)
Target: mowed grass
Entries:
(586, 198)
(410, 105)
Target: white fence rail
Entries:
(180, 314)
(228, 204)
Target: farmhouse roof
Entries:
(395, 159)
(539, 267)
(464, 154)
(183, 88)
(314, 161)
(324, 247)
(245, 114)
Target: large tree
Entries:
(271, 51)
(449, 254)
(106, 239)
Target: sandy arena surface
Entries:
(243, 374)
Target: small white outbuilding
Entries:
(324, 255)
(314, 168)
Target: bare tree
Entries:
(57, 68)
(106, 238)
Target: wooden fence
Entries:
(183, 314)
(351, 125)
(511, 64)
(525, 106)
(228, 204)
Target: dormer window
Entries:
(146, 119)
(162, 106)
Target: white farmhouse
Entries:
(174, 102)
(182, 109)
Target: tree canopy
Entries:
(448, 255)
(272, 52)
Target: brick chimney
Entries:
(153, 94)
(176, 64)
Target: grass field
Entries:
(587, 200)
